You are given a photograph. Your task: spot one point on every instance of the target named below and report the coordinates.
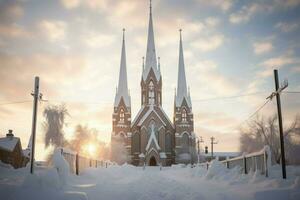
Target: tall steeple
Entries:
(151, 61)
(182, 91)
(122, 90)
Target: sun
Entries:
(91, 149)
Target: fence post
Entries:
(227, 164)
(77, 164)
(245, 164)
(266, 163)
(90, 162)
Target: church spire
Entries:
(182, 91)
(151, 61)
(122, 90)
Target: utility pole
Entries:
(200, 140)
(212, 139)
(277, 94)
(33, 129)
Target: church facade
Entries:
(151, 138)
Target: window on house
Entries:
(183, 116)
(122, 116)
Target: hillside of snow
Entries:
(129, 182)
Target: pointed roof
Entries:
(151, 62)
(182, 91)
(122, 90)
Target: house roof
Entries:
(9, 143)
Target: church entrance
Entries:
(152, 161)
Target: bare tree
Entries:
(261, 131)
(54, 124)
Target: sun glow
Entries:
(91, 149)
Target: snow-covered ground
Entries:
(128, 182)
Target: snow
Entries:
(129, 182)
(8, 143)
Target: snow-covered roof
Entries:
(122, 90)
(152, 138)
(182, 91)
(151, 109)
(9, 143)
(151, 62)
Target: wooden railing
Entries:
(258, 161)
(79, 163)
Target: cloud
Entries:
(244, 14)
(10, 10)
(70, 4)
(212, 80)
(54, 30)
(51, 69)
(262, 47)
(248, 11)
(14, 31)
(95, 5)
(210, 43)
(94, 39)
(287, 27)
(276, 63)
(221, 4)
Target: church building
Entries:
(151, 138)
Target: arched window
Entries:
(168, 142)
(183, 115)
(185, 142)
(151, 96)
(122, 115)
(135, 143)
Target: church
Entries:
(151, 138)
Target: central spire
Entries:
(151, 61)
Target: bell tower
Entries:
(121, 117)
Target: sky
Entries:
(230, 47)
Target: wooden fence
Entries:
(258, 161)
(79, 163)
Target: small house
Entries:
(11, 151)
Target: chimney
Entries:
(10, 134)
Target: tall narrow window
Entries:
(151, 93)
(183, 115)
(122, 115)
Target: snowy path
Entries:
(134, 183)
(169, 184)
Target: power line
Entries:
(110, 102)
(292, 92)
(14, 102)
(230, 97)
(257, 110)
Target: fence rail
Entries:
(79, 163)
(258, 161)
